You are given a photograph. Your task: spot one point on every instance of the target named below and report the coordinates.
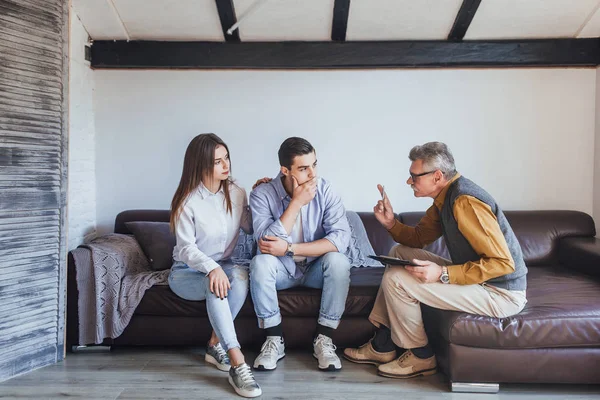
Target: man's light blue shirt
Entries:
(324, 217)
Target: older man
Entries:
(486, 274)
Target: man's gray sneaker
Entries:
(324, 352)
(217, 356)
(243, 381)
(272, 350)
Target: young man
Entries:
(486, 274)
(302, 233)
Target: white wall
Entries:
(526, 135)
(81, 205)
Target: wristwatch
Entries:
(445, 278)
(290, 250)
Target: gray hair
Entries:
(435, 155)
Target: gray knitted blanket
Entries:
(111, 285)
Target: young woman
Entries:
(207, 212)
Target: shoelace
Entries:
(269, 347)
(245, 374)
(221, 353)
(404, 356)
(326, 345)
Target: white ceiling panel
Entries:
(171, 19)
(279, 20)
(592, 28)
(529, 19)
(98, 19)
(401, 19)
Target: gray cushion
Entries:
(245, 249)
(156, 240)
(360, 247)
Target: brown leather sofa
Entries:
(555, 339)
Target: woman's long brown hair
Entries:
(199, 162)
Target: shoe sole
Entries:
(354, 360)
(426, 372)
(263, 368)
(211, 360)
(242, 392)
(330, 367)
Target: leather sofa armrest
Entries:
(73, 296)
(581, 254)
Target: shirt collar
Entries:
(207, 193)
(278, 184)
(441, 197)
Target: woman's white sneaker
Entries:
(243, 381)
(217, 356)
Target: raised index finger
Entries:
(386, 201)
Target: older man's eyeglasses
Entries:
(415, 176)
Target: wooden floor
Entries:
(180, 373)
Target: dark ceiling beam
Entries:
(463, 19)
(228, 19)
(321, 55)
(339, 25)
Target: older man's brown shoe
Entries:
(366, 354)
(408, 366)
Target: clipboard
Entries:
(392, 260)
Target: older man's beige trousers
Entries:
(398, 301)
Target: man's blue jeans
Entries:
(193, 285)
(330, 272)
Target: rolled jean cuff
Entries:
(269, 322)
(328, 321)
